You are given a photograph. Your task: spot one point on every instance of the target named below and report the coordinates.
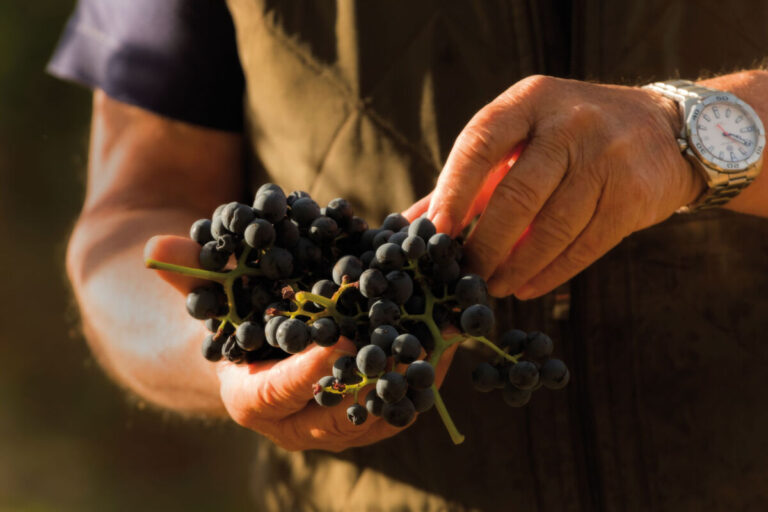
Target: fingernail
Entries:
(525, 292)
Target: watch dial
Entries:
(727, 132)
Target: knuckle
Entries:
(554, 228)
(475, 143)
(535, 82)
(518, 194)
(582, 116)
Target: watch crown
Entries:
(682, 144)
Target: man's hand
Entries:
(600, 162)
(275, 398)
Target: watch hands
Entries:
(733, 136)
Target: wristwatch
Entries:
(721, 136)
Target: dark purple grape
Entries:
(296, 195)
(373, 284)
(524, 375)
(471, 289)
(345, 370)
(304, 210)
(394, 222)
(371, 360)
(259, 234)
(382, 237)
(554, 374)
(270, 330)
(420, 375)
(400, 286)
(383, 336)
(513, 340)
(440, 247)
(205, 302)
(339, 210)
(373, 403)
(231, 351)
(477, 320)
(390, 256)
(349, 266)
(414, 247)
(383, 312)
(325, 288)
(423, 399)
(514, 396)
(538, 346)
(236, 216)
(271, 205)
(200, 231)
(277, 263)
(286, 233)
(324, 332)
(323, 230)
(422, 228)
(293, 336)
(399, 414)
(226, 243)
(391, 387)
(326, 398)
(398, 238)
(212, 347)
(406, 348)
(250, 335)
(357, 414)
(211, 258)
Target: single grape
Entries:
(356, 225)
(211, 258)
(373, 284)
(349, 266)
(538, 346)
(212, 347)
(250, 335)
(236, 216)
(212, 324)
(270, 330)
(371, 360)
(323, 230)
(485, 377)
(414, 247)
(394, 222)
(383, 336)
(391, 387)
(277, 263)
(286, 233)
(366, 239)
(383, 311)
(390, 256)
(382, 237)
(271, 205)
(295, 196)
(231, 351)
(524, 375)
(514, 396)
(471, 289)
(326, 398)
(420, 375)
(324, 331)
(339, 210)
(373, 403)
(293, 336)
(304, 210)
(259, 234)
(226, 243)
(446, 271)
(357, 414)
(477, 320)
(400, 286)
(406, 348)
(217, 227)
(554, 374)
(400, 413)
(325, 288)
(204, 302)
(415, 305)
(514, 341)
(345, 370)
(422, 228)
(200, 231)
(440, 247)
(423, 399)
(398, 238)
(269, 187)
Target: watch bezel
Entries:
(712, 161)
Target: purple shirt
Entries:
(177, 58)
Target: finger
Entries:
(603, 232)
(479, 148)
(178, 250)
(561, 220)
(517, 199)
(418, 208)
(275, 389)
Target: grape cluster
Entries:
(285, 273)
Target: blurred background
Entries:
(69, 438)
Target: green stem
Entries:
(456, 436)
(187, 271)
(488, 343)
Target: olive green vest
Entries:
(666, 335)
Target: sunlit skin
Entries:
(599, 163)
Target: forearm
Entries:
(752, 87)
(135, 322)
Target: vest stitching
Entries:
(356, 103)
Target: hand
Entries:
(600, 162)
(275, 398)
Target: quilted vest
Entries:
(665, 335)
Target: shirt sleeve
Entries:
(177, 58)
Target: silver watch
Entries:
(722, 137)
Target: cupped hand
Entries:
(275, 398)
(599, 162)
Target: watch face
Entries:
(726, 133)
